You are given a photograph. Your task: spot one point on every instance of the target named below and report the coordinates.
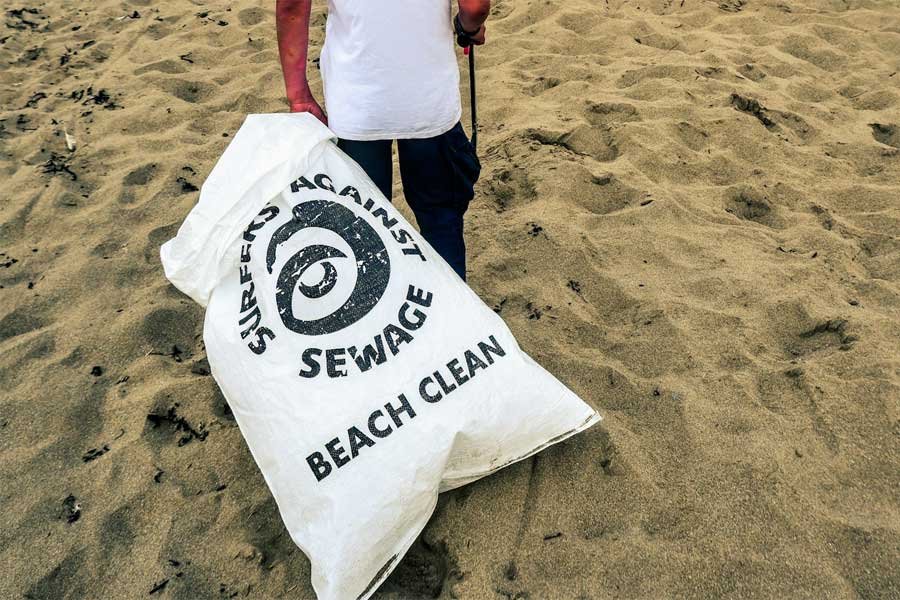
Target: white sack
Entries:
(364, 374)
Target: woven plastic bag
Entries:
(364, 374)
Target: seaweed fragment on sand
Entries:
(57, 163)
(95, 453)
(88, 97)
(751, 106)
(178, 423)
(71, 509)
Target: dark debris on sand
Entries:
(71, 509)
(534, 229)
(24, 19)
(175, 353)
(187, 186)
(95, 453)
(178, 423)
(751, 106)
(886, 134)
(59, 164)
(89, 97)
(6, 261)
(35, 98)
(201, 367)
(159, 586)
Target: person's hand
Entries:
(462, 26)
(478, 38)
(472, 40)
(311, 106)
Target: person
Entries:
(389, 72)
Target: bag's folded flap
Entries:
(267, 152)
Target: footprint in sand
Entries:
(141, 175)
(167, 66)
(20, 321)
(691, 136)
(64, 579)
(156, 238)
(752, 72)
(541, 84)
(824, 335)
(172, 330)
(424, 572)
(676, 72)
(251, 16)
(811, 50)
(596, 142)
(609, 195)
(510, 188)
(750, 204)
(887, 134)
(578, 22)
(606, 113)
(194, 92)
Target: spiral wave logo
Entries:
(371, 258)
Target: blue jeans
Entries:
(438, 176)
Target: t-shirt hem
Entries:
(399, 134)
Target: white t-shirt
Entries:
(389, 69)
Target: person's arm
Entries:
(292, 24)
(472, 15)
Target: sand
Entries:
(689, 212)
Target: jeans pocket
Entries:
(465, 166)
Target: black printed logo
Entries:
(373, 267)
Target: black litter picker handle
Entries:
(464, 39)
(472, 103)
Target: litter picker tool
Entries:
(470, 51)
(466, 40)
